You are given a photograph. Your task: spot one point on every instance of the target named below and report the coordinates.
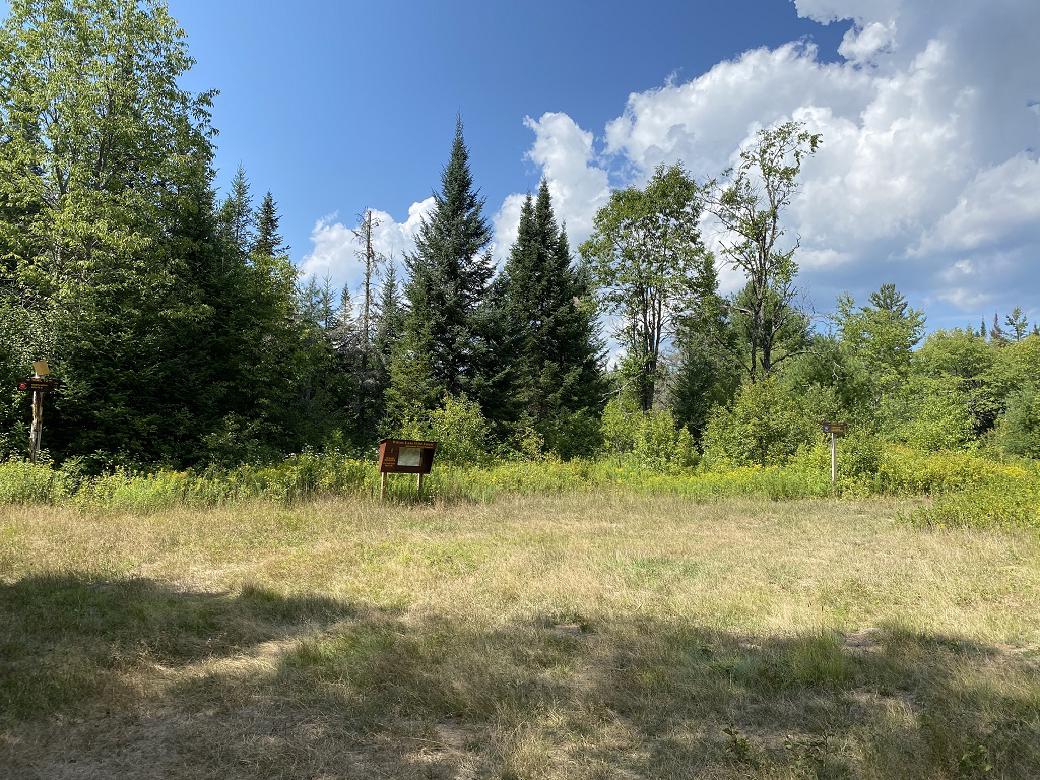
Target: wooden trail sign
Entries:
(405, 456)
(38, 384)
(34, 383)
(835, 429)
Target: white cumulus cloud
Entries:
(930, 147)
(335, 246)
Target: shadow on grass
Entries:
(134, 679)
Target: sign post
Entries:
(835, 429)
(39, 384)
(405, 456)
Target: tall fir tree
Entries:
(389, 323)
(444, 343)
(237, 220)
(268, 241)
(996, 333)
(556, 380)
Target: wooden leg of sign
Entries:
(36, 430)
(382, 485)
(418, 484)
(834, 460)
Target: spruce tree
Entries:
(996, 333)
(268, 241)
(443, 339)
(556, 377)
(237, 220)
(389, 321)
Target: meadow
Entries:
(651, 631)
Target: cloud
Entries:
(335, 247)
(579, 186)
(930, 136)
(863, 44)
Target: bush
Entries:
(765, 425)
(22, 482)
(658, 444)
(1001, 503)
(618, 425)
(929, 414)
(1018, 429)
(459, 428)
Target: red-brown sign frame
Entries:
(390, 452)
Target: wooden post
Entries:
(418, 483)
(36, 430)
(382, 485)
(834, 459)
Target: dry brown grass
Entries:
(572, 637)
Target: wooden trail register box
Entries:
(405, 456)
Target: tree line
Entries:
(185, 336)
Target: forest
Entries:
(185, 337)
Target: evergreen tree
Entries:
(996, 333)
(237, 221)
(389, 323)
(268, 242)
(1017, 323)
(556, 378)
(390, 316)
(443, 340)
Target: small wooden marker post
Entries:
(39, 384)
(405, 456)
(835, 429)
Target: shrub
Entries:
(765, 425)
(1018, 429)
(658, 444)
(1000, 503)
(459, 428)
(930, 414)
(618, 425)
(22, 482)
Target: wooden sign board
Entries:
(38, 383)
(837, 428)
(405, 456)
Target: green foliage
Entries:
(878, 340)
(658, 444)
(549, 329)
(22, 482)
(750, 203)
(1018, 429)
(618, 425)
(1006, 501)
(704, 374)
(458, 427)
(766, 425)
(642, 253)
(444, 347)
(929, 414)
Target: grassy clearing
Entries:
(575, 636)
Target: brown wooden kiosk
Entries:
(405, 456)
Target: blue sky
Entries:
(928, 177)
(337, 106)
